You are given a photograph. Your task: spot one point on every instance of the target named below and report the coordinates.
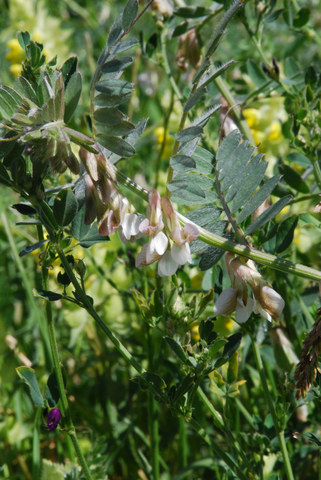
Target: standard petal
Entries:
(269, 302)
(160, 243)
(226, 302)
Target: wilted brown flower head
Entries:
(188, 51)
(307, 367)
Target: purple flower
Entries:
(53, 419)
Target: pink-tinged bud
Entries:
(169, 214)
(154, 209)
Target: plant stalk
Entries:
(269, 400)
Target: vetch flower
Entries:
(53, 418)
(153, 227)
(266, 301)
(179, 253)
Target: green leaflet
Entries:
(72, 95)
(240, 176)
(129, 13)
(28, 376)
(268, 214)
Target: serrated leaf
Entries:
(116, 145)
(116, 65)
(31, 248)
(189, 134)
(65, 207)
(72, 95)
(129, 13)
(28, 376)
(258, 198)
(268, 214)
(114, 87)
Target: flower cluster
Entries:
(159, 247)
(265, 301)
(114, 212)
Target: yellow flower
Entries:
(15, 69)
(159, 133)
(274, 132)
(252, 116)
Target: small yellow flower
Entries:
(159, 133)
(252, 116)
(195, 333)
(274, 132)
(15, 56)
(15, 69)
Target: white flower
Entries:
(153, 250)
(173, 258)
(266, 301)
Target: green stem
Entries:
(268, 398)
(92, 312)
(215, 240)
(154, 434)
(60, 382)
(182, 443)
(28, 290)
(241, 122)
(230, 462)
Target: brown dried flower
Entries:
(188, 51)
(307, 367)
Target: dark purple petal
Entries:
(53, 419)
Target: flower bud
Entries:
(53, 418)
(188, 51)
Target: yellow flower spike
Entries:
(15, 56)
(252, 116)
(15, 69)
(274, 132)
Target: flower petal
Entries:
(167, 265)
(181, 253)
(226, 302)
(243, 311)
(160, 243)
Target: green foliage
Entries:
(173, 391)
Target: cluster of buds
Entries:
(265, 301)
(114, 212)
(104, 202)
